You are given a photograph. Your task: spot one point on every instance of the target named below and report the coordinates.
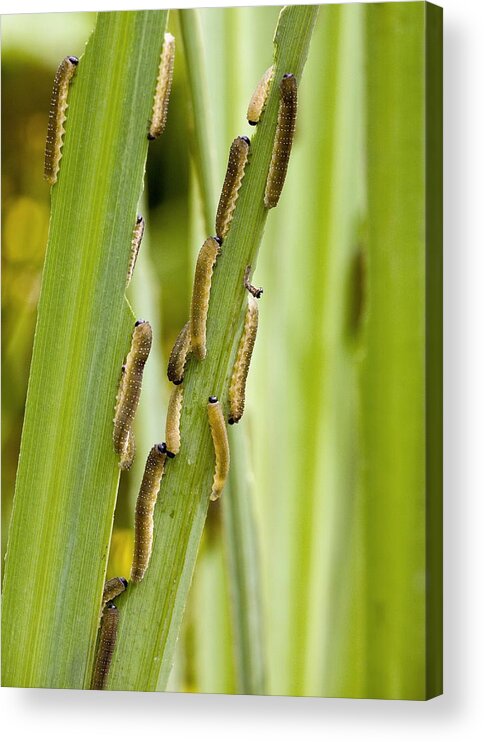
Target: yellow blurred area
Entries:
(121, 553)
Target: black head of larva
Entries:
(178, 381)
(218, 240)
(124, 581)
(151, 137)
(161, 447)
(73, 60)
(246, 139)
(287, 75)
(139, 219)
(213, 400)
(253, 123)
(231, 421)
(170, 454)
(139, 322)
(110, 606)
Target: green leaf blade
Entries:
(68, 473)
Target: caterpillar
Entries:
(258, 100)
(242, 362)
(57, 116)
(173, 415)
(239, 152)
(138, 232)
(145, 505)
(201, 295)
(129, 392)
(163, 88)
(178, 355)
(107, 642)
(220, 444)
(113, 588)
(256, 292)
(286, 123)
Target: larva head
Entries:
(218, 240)
(212, 400)
(139, 219)
(253, 123)
(110, 607)
(161, 448)
(246, 139)
(73, 60)
(170, 454)
(124, 581)
(142, 331)
(231, 421)
(288, 87)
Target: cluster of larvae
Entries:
(193, 336)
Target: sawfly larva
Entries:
(178, 355)
(242, 361)
(220, 444)
(258, 100)
(239, 152)
(201, 295)
(129, 392)
(172, 434)
(57, 117)
(163, 88)
(145, 505)
(114, 587)
(105, 650)
(138, 232)
(286, 124)
(256, 292)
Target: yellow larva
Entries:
(107, 642)
(114, 587)
(138, 231)
(258, 100)
(173, 415)
(242, 362)
(201, 295)
(178, 355)
(163, 88)
(220, 444)
(57, 117)
(286, 123)
(145, 505)
(239, 152)
(129, 392)
(256, 292)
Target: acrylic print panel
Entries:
(318, 570)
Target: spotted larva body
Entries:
(220, 444)
(129, 392)
(286, 123)
(201, 295)
(57, 117)
(107, 643)
(239, 152)
(259, 97)
(173, 415)
(145, 505)
(163, 88)
(114, 587)
(138, 232)
(242, 361)
(178, 355)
